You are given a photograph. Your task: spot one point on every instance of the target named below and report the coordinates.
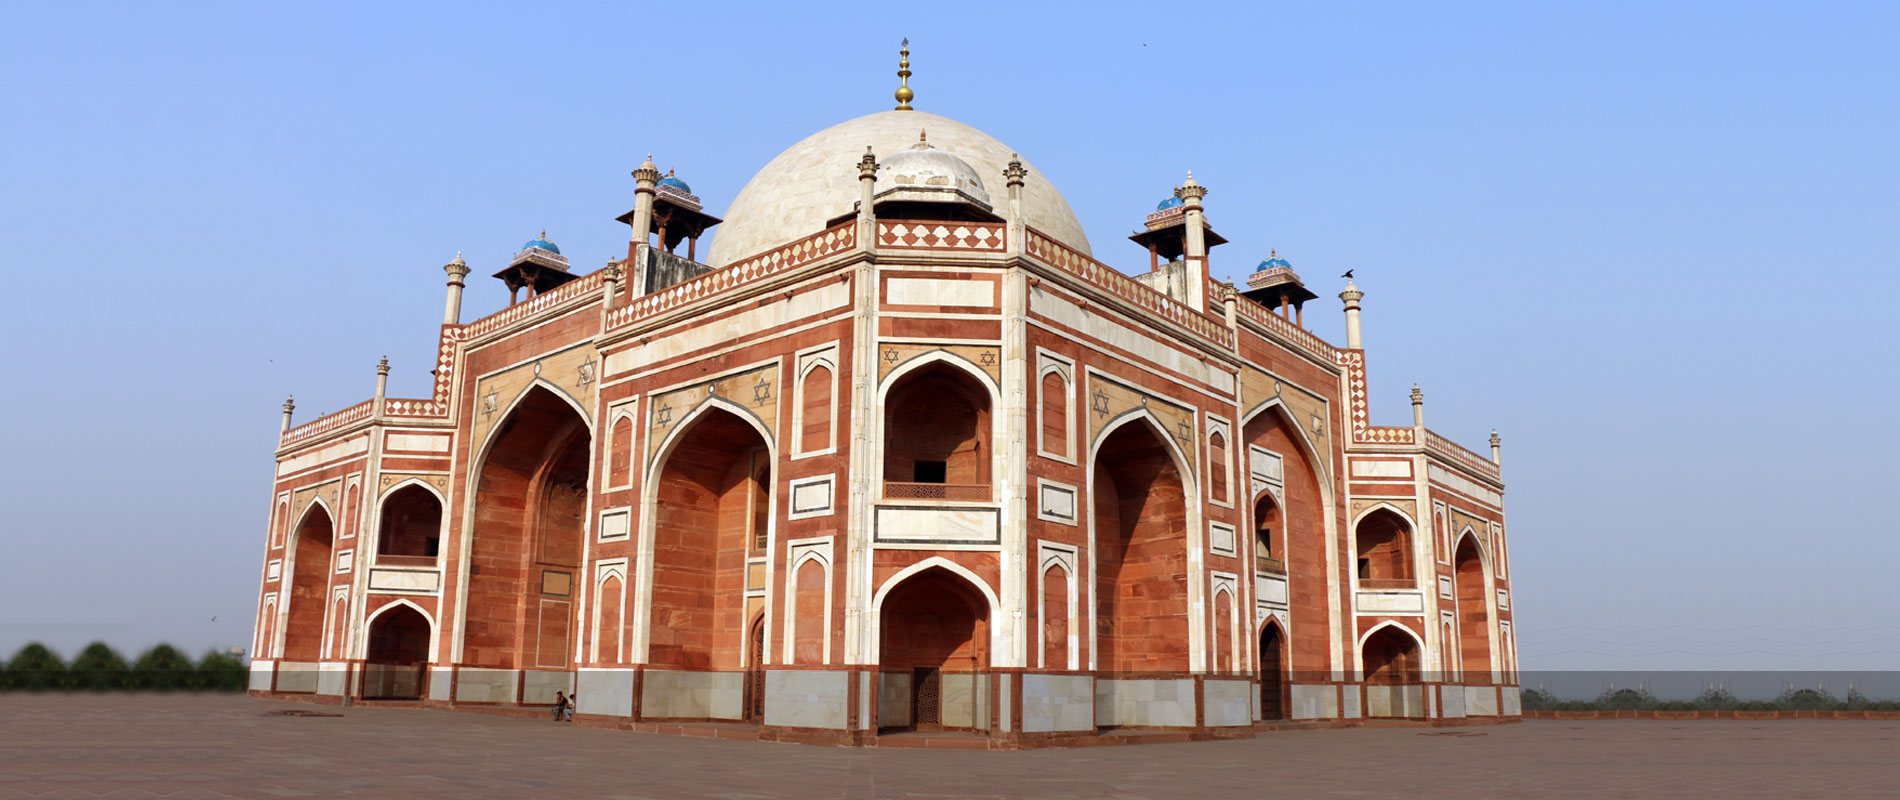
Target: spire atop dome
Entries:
(904, 94)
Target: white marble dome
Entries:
(816, 180)
(925, 166)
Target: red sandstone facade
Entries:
(940, 470)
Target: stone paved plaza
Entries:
(134, 746)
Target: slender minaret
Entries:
(1351, 296)
(457, 270)
(1497, 448)
(1196, 249)
(867, 189)
(1013, 176)
(1418, 408)
(290, 405)
(904, 94)
(645, 178)
(382, 387)
(609, 285)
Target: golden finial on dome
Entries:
(904, 94)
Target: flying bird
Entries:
(1347, 275)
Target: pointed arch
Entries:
(1474, 587)
(308, 566)
(933, 562)
(406, 539)
(1195, 622)
(396, 654)
(1385, 542)
(954, 456)
(1272, 664)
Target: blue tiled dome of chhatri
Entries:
(1274, 261)
(1168, 202)
(676, 183)
(541, 243)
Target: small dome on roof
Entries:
(1274, 261)
(541, 243)
(675, 182)
(924, 166)
(1168, 202)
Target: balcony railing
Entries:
(1387, 583)
(969, 492)
(1269, 564)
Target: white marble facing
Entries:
(382, 579)
(1146, 702)
(1406, 700)
(1227, 702)
(948, 524)
(416, 442)
(682, 694)
(485, 685)
(1270, 589)
(1481, 701)
(1381, 468)
(813, 497)
(966, 701)
(1451, 701)
(893, 699)
(1058, 703)
(333, 679)
(1462, 484)
(539, 685)
(348, 447)
(816, 180)
(260, 676)
(1121, 336)
(1055, 501)
(297, 676)
(827, 296)
(1512, 701)
(1398, 601)
(807, 698)
(940, 292)
(1315, 701)
(614, 524)
(604, 691)
(441, 683)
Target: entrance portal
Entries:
(933, 655)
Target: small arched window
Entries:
(815, 414)
(1055, 413)
(1217, 467)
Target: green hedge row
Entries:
(1710, 700)
(99, 668)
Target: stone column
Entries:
(1195, 292)
(457, 270)
(867, 189)
(290, 405)
(1351, 297)
(1418, 411)
(1013, 176)
(1497, 448)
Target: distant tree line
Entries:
(99, 668)
(1712, 699)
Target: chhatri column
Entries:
(1497, 448)
(1418, 411)
(290, 405)
(645, 178)
(382, 387)
(457, 270)
(1196, 279)
(1013, 176)
(867, 189)
(1351, 297)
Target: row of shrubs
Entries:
(99, 668)
(1713, 699)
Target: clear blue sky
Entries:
(1653, 244)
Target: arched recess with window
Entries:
(529, 508)
(815, 392)
(933, 649)
(710, 503)
(312, 544)
(1139, 534)
(937, 431)
(409, 526)
(1053, 400)
(1217, 467)
(1295, 516)
(1391, 655)
(1472, 580)
(1383, 548)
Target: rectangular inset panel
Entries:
(557, 583)
(614, 524)
(1444, 586)
(347, 559)
(1055, 501)
(416, 443)
(1220, 538)
(1270, 589)
(1381, 468)
(1504, 600)
(940, 292)
(1401, 602)
(933, 525)
(409, 581)
(813, 496)
(274, 570)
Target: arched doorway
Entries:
(937, 436)
(1474, 612)
(1273, 687)
(707, 500)
(933, 654)
(312, 547)
(410, 526)
(1392, 662)
(1141, 598)
(530, 504)
(396, 658)
(1384, 551)
(755, 671)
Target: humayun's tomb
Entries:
(894, 453)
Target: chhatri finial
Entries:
(904, 94)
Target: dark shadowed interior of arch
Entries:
(936, 434)
(1390, 657)
(309, 586)
(411, 524)
(530, 505)
(396, 653)
(1385, 552)
(1268, 534)
(710, 496)
(931, 625)
(1272, 672)
(1141, 555)
(1474, 615)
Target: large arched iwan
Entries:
(933, 643)
(313, 543)
(707, 498)
(1299, 535)
(396, 653)
(1474, 617)
(530, 507)
(1141, 623)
